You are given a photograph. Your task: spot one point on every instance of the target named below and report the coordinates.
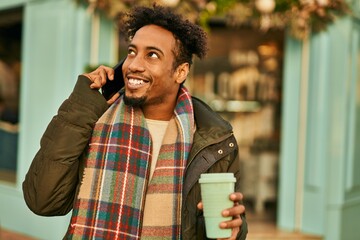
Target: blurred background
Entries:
(283, 72)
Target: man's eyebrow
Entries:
(148, 48)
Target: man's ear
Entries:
(182, 72)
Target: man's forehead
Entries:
(153, 37)
(154, 32)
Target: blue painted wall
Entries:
(319, 180)
(55, 50)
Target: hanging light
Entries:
(265, 7)
(322, 2)
(170, 3)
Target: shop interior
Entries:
(10, 68)
(241, 78)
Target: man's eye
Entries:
(131, 52)
(153, 55)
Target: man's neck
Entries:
(163, 112)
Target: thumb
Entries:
(113, 98)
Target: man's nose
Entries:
(136, 64)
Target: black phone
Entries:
(112, 87)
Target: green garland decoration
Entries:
(299, 17)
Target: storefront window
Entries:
(241, 78)
(10, 65)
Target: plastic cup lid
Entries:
(217, 177)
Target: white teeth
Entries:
(134, 81)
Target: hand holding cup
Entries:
(221, 205)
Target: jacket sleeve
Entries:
(235, 168)
(50, 183)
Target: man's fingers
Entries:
(99, 76)
(233, 223)
(96, 81)
(236, 197)
(103, 76)
(110, 74)
(113, 98)
(108, 71)
(234, 211)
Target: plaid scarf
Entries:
(115, 184)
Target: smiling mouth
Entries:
(135, 83)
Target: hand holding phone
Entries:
(112, 87)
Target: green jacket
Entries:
(51, 184)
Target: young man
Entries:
(129, 167)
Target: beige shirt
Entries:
(157, 130)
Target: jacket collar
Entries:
(211, 128)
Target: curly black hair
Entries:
(192, 38)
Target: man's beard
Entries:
(134, 102)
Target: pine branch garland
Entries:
(300, 17)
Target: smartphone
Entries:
(112, 87)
